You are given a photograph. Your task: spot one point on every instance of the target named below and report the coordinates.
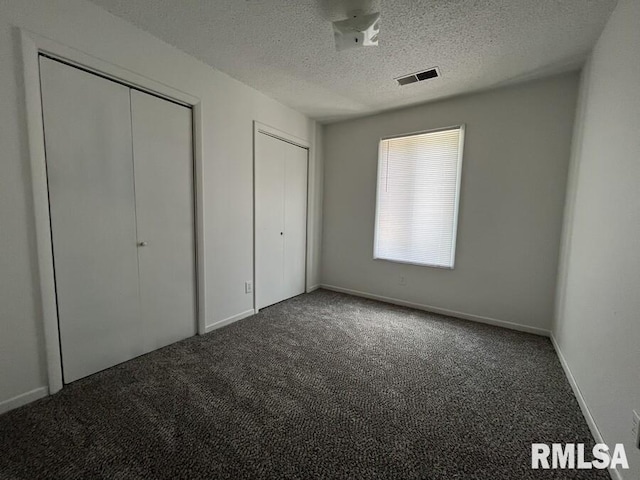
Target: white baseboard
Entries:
(227, 321)
(23, 399)
(442, 311)
(313, 288)
(595, 431)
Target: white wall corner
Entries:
(593, 427)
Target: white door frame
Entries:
(32, 46)
(258, 128)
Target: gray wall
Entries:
(597, 327)
(517, 150)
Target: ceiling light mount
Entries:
(359, 30)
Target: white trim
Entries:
(32, 45)
(313, 288)
(198, 158)
(23, 399)
(576, 390)
(259, 127)
(442, 311)
(229, 320)
(35, 131)
(274, 132)
(107, 69)
(595, 431)
(456, 212)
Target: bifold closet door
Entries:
(295, 220)
(163, 160)
(93, 222)
(121, 196)
(281, 219)
(269, 223)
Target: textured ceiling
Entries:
(285, 48)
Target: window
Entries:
(417, 202)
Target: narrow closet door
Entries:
(91, 196)
(163, 158)
(295, 220)
(281, 219)
(269, 222)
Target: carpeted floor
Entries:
(324, 385)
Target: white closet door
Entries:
(295, 220)
(281, 209)
(91, 194)
(162, 149)
(269, 196)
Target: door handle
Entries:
(143, 244)
(281, 233)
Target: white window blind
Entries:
(417, 202)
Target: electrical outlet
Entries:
(403, 280)
(248, 287)
(636, 428)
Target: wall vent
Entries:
(418, 76)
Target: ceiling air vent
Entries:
(418, 76)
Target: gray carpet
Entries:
(324, 385)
